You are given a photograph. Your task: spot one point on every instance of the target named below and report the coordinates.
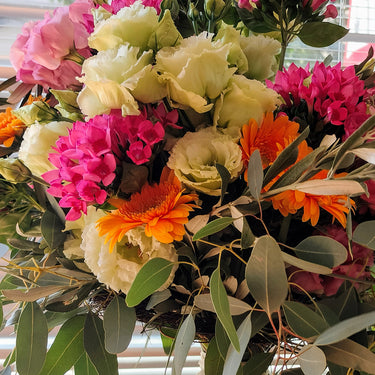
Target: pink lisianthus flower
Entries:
(116, 5)
(354, 267)
(41, 53)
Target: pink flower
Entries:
(116, 5)
(40, 53)
(139, 153)
(331, 11)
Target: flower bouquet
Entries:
(163, 166)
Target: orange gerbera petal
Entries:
(270, 138)
(161, 209)
(10, 126)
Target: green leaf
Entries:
(150, 278)
(84, 366)
(26, 245)
(168, 343)
(236, 306)
(255, 175)
(213, 227)
(350, 354)
(305, 265)
(213, 363)
(321, 34)
(258, 363)
(119, 322)
(158, 297)
(234, 358)
(184, 339)
(364, 234)
(345, 329)
(247, 236)
(265, 274)
(312, 360)
(302, 320)
(322, 250)
(225, 178)
(31, 341)
(66, 349)
(93, 339)
(220, 301)
(52, 230)
(32, 294)
(330, 187)
(222, 339)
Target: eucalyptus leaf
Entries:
(66, 349)
(52, 230)
(329, 187)
(168, 343)
(221, 304)
(350, 354)
(6, 371)
(345, 329)
(31, 341)
(247, 236)
(3, 249)
(367, 154)
(213, 362)
(93, 339)
(149, 279)
(312, 360)
(258, 363)
(305, 265)
(255, 174)
(321, 34)
(157, 298)
(26, 245)
(236, 306)
(213, 227)
(322, 250)
(234, 357)
(84, 366)
(222, 339)
(265, 274)
(119, 323)
(184, 339)
(32, 294)
(302, 320)
(364, 234)
(225, 178)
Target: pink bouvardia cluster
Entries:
(335, 94)
(116, 5)
(330, 12)
(87, 158)
(40, 53)
(354, 267)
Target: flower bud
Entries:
(14, 171)
(214, 8)
(172, 5)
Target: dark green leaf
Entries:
(52, 230)
(31, 341)
(222, 339)
(348, 353)
(322, 250)
(345, 329)
(66, 349)
(255, 174)
(312, 360)
(265, 274)
(302, 320)
(220, 301)
(258, 363)
(213, 227)
(213, 363)
(84, 366)
(104, 362)
(364, 234)
(233, 358)
(225, 178)
(26, 245)
(149, 279)
(158, 297)
(247, 236)
(119, 322)
(168, 343)
(184, 339)
(321, 34)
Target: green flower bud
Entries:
(173, 7)
(214, 8)
(14, 171)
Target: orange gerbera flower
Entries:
(270, 138)
(160, 208)
(10, 127)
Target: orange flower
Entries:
(10, 127)
(161, 208)
(270, 138)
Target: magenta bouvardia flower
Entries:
(331, 10)
(334, 94)
(40, 53)
(86, 159)
(116, 5)
(354, 267)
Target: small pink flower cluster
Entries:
(331, 10)
(354, 267)
(40, 54)
(87, 158)
(116, 5)
(335, 94)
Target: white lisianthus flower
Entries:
(134, 24)
(194, 156)
(118, 269)
(243, 100)
(195, 71)
(37, 143)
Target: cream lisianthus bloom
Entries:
(243, 100)
(195, 71)
(134, 24)
(118, 269)
(194, 156)
(114, 76)
(37, 143)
